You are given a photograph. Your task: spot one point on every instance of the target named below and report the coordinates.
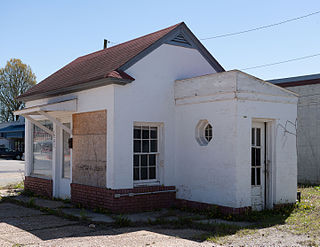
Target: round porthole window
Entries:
(204, 132)
(208, 132)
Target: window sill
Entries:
(146, 183)
(40, 176)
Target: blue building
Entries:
(12, 135)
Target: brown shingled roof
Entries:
(97, 65)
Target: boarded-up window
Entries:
(89, 148)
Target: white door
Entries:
(65, 167)
(257, 166)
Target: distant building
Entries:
(12, 135)
(308, 124)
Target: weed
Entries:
(122, 221)
(19, 185)
(16, 245)
(183, 222)
(102, 211)
(214, 212)
(83, 215)
(31, 202)
(27, 193)
(308, 243)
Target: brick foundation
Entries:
(95, 197)
(39, 186)
(205, 206)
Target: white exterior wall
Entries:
(150, 98)
(89, 100)
(220, 173)
(206, 173)
(308, 138)
(261, 101)
(284, 161)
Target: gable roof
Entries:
(297, 81)
(107, 66)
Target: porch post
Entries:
(54, 162)
(28, 148)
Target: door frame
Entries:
(269, 158)
(59, 181)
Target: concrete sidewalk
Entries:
(163, 215)
(35, 221)
(29, 227)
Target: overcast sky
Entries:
(49, 34)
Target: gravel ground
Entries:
(273, 236)
(132, 237)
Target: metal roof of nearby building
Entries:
(297, 80)
(13, 128)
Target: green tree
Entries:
(15, 79)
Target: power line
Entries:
(261, 27)
(286, 61)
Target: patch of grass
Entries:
(28, 193)
(102, 211)
(305, 218)
(83, 215)
(15, 186)
(310, 242)
(182, 222)
(122, 221)
(31, 203)
(205, 237)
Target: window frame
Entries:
(254, 166)
(31, 158)
(200, 132)
(156, 180)
(63, 133)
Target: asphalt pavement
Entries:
(11, 171)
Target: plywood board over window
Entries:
(89, 148)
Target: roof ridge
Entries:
(99, 52)
(123, 43)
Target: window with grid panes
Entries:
(256, 157)
(145, 152)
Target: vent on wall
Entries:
(180, 40)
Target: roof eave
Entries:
(75, 88)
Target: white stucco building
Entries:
(156, 121)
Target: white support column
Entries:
(54, 161)
(28, 146)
